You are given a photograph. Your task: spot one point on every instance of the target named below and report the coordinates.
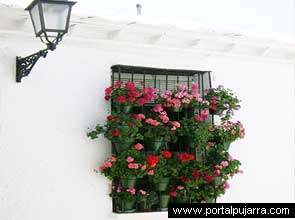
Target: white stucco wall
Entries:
(47, 162)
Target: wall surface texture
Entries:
(47, 162)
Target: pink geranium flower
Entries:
(142, 192)
(224, 163)
(180, 187)
(129, 159)
(226, 185)
(138, 146)
(113, 159)
(230, 158)
(131, 190)
(157, 108)
(133, 166)
(151, 172)
(176, 124)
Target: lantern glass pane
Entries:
(55, 16)
(35, 16)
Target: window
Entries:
(162, 79)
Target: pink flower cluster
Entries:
(204, 114)
(164, 118)
(175, 125)
(138, 146)
(108, 163)
(131, 190)
(152, 122)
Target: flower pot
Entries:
(124, 108)
(144, 205)
(162, 184)
(217, 181)
(226, 146)
(155, 144)
(198, 155)
(210, 200)
(128, 182)
(176, 109)
(164, 200)
(124, 205)
(122, 146)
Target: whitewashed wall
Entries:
(47, 162)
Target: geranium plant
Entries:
(180, 97)
(127, 164)
(162, 165)
(120, 128)
(195, 131)
(159, 126)
(227, 133)
(129, 94)
(222, 101)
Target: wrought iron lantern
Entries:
(50, 20)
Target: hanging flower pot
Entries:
(164, 200)
(155, 144)
(217, 181)
(121, 146)
(123, 108)
(210, 200)
(162, 184)
(125, 205)
(128, 182)
(198, 155)
(226, 146)
(144, 205)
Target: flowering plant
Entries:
(227, 132)
(129, 163)
(158, 125)
(180, 97)
(222, 100)
(195, 131)
(147, 197)
(162, 165)
(126, 194)
(129, 94)
(119, 128)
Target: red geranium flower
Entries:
(196, 174)
(216, 172)
(109, 118)
(152, 160)
(166, 154)
(107, 97)
(117, 119)
(118, 84)
(131, 99)
(184, 179)
(130, 86)
(208, 178)
(116, 133)
(214, 107)
(173, 194)
(130, 125)
(184, 157)
(121, 99)
(142, 101)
